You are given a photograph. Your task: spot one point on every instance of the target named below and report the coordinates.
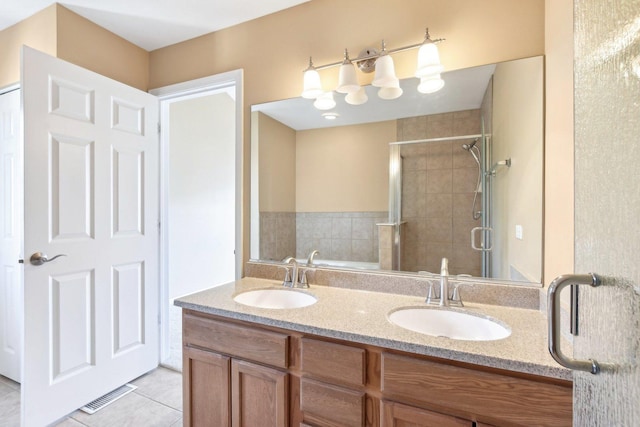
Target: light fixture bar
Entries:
(376, 55)
(369, 60)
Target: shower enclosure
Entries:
(440, 204)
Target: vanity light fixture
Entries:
(347, 79)
(369, 60)
(325, 101)
(358, 97)
(312, 85)
(430, 84)
(385, 77)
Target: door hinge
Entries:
(159, 128)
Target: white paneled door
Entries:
(10, 235)
(91, 194)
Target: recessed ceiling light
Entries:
(330, 116)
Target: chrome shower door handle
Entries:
(553, 307)
(39, 258)
(486, 236)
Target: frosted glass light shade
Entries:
(430, 84)
(347, 79)
(312, 85)
(357, 98)
(385, 72)
(325, 101)
(390, 92)
(428, 60)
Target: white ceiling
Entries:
(152, 24)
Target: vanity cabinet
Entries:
(243, 374)
(222, 384)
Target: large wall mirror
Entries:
(400, 184)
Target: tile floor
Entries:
(156, 402)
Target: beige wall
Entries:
(59, 32)
(274, 50)
(277, 168)
(517, 190)
(37, 31)
(88, 45)
(344, 169)
(559, 194)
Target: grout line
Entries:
(76, 420)
(156, 401)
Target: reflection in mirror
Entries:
(398, 185)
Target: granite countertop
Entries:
(361, 316)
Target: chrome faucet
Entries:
(311, 256)
(444, 283)
(293, 279)
(290, 278)
(443, 300)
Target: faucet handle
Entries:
(287, 277)
(304, 281)
(455, 297)
(431, 296)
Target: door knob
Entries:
(39, 258)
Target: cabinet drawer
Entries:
(324, 404)
(493, 398)
(335, 362)
(266, 347)
(395, 414)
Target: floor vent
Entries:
(101, 402)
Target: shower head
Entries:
(475, 151)
(468, 147)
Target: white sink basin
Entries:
(275, 298)
(452, 324)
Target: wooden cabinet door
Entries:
(398, 415)
(259, 396)
(205, 388)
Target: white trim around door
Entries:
(233, 81)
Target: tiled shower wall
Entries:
(439, 180)
(277, 235)
(339, 235)
(349, 236)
